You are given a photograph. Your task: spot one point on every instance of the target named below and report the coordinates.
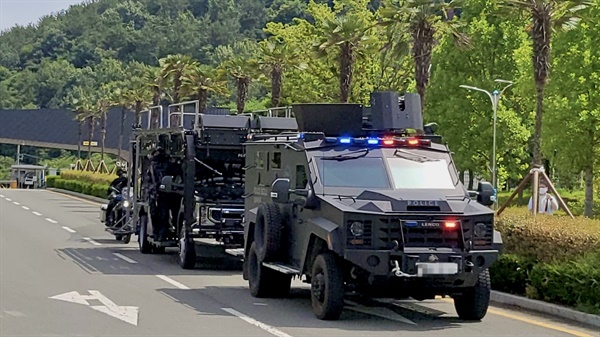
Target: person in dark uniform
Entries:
(118, 183)
(158, 203)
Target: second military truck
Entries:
(368, 201)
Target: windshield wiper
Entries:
(346, 156)
(416, 157)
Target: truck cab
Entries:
(357, 202)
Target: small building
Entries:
(29, 176)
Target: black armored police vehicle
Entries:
(365, 201)
(188, 183)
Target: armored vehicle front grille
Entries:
(392, 230)
(479, 231)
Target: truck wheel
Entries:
(268, 232)
(126, 238)
(144, 244)
(327, 287)
(263, 281)
(187, 250)
(472, 305)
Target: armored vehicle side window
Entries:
(260, 159)
(275, 161)
(409, 174)
(356, 173)
(301, 179)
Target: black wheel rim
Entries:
(318, 287)
(182, 244)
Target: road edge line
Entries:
(259, 324)
(70, 230)
(90, 240)
(546, 308)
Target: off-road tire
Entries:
(187, 250)
(268, 232)
(473, 304)
(263, 281)
(327, 287)
(126, 238)
(143, 243)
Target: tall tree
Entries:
(348, 33)
(243, 71)
(174, 68)
(201, 81)
(274, 58)
(545, 16)
(425, 20)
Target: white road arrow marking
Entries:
(127, 314)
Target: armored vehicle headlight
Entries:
(480, 229)
(357, 228)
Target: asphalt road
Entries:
(61, 274)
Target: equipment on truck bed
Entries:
(188, 183)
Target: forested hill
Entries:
(126, 30)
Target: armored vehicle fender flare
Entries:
(325, 230)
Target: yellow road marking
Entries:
(533, 322)
(75, 198)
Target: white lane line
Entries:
(16, 203)
(37, 213)
(8, 199)
(1, 195)
(50, 220)
(68, 229)
(173, 282)
(123, 257)
(254, 322)
(25, 208)
(92, 242)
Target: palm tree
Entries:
(202, 80)
(348, 33)
(243, 71)
(102, 107)
(84, 110)
(275, 58)
(155, 82)
(424, 19)
(119, 98)
(546, 15)
(173, 69)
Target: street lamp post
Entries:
(495, 98)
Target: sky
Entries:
(23, 12)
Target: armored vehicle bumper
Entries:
(446, 268)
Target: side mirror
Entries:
(485, 194)
(166, 184)
(280, 191)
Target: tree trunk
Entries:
(202, 100)
(138, 112)
(471, 178)
(423, 39)
(177, 118)
(121, 132)
(276, 84)
(589, 191)
(540, 35)
(91, 134)
(346, 62)
(103, 131)
(154, 116)
(242, 93)
(79, 134)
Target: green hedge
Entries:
(574, 283)
(85, 187)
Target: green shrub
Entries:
(88, 188)
(510, 273)
(574, 283)
(547, 238)
(50, 180)
(91, 177)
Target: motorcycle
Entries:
(117, 222)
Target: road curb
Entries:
(79, 195)
(546, 308)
